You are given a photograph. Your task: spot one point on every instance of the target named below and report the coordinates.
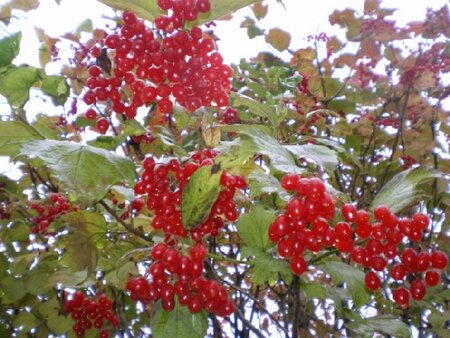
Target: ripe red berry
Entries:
(439, 259)
(372, 280)
(401, 297)
(432, 278)
(349, 212)
(418, 289)
(298, 265)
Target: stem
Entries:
(129, 228)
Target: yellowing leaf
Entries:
(24, 5)
(146, 9)
(279, 39)
(260, 10)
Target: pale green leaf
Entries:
(146, 9)
(323, 156)
(16, 82)
(56, 87)
(385, 324)
(13, 134)
(353, 277)
(266, 268)
(85, 171)
(259, 109)
(260, 183)
(253, 227)
(81, 253)
(179, 323)
(24, 321)
(199, 195)
(402, 190)
(264, 144)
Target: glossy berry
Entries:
(439, 259)
(372, 280)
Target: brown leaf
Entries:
(371, 6)
(260, 10)
(278, 38)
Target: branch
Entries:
(129, 228)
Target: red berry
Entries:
(401, 297)
(349, 212)
(439, 259)
(298, 265)
(372, 280)
(289, 181)
(418, 289)
(432, 278)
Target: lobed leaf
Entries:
(402, 190)
(353, 277)
(13, 134)
(179, 323)
(385, 324)
(85, 171)
(15, 84)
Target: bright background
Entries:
(299, 17)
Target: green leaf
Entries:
(264, 144)
(179, 323)
(81, 253)
(13, 134)
(86, 222)
(85, 171)
(146, 9)
(118, 277)
(323, 156)
(253, 227)
(385, 324)
(15, 84)
(131, 128)
(13, 288)
(9, 48)
(60, 324)
(260, 183)
(259, 109)
(199, 195)
(353, 277)
(36, 282)
(402, 190)
(279, 39)
(220, 8)
(314, 290)
(25, 321)
(56, 87)
(104, 142)
(266, 268)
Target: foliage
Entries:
(301, 197)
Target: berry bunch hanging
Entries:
(91, 313)
(159, 65)
(305, 226)
(57, 205)
(173, 272)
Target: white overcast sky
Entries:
(300, 17)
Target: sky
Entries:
(299, 17)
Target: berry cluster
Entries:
(175, 274)
(158, 66)
(56, 206)
(304, 225)
(381, 250)
(91, 313)
(164, 184)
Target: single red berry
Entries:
(349, 212)
(372, 280)
(401, 297)
(439, 259)
(418, 289)
(432, 278)
(298, 265)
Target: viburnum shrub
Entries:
(175, 195)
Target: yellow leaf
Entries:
(279, 39)
(24, 5)
(260, 10)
